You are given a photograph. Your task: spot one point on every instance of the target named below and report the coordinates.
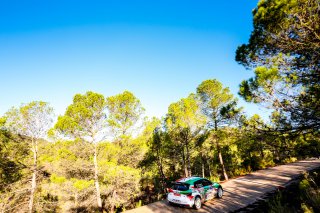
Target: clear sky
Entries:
(159, 50)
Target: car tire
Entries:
(171, 204)
(197, 203)
(219, 192)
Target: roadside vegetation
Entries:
(301, 196)
(103, 154)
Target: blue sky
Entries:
(159, 50)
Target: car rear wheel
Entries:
(219, 192)
(197, 203)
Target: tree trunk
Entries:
(221, 160)
(161, 170)
(188, 160)
(261, 148)
(202, 164)
(76, 200)
(161, 173)
(34, 174)
(96, 180)
(202, 169)
(160, 167)
(184, 163)
(114, 193)
(209, 168)
(222, 164)
(220, 154)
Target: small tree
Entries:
(85, 118)
(33, 121)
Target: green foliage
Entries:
(184, 122)
(136, 167)
(2, 122)
(283, 49)
(275, 205)
(57, 179)
(84, 118)
(32, 120)
(185, 114)
(306, 209)
(304, 185)
(121, 184)
(217, 103)
(124, 112)
(14, 155)
(301, 197)
(81, 184)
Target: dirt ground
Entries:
(243, 191)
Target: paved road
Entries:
(242, 191)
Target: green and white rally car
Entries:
(193, 191)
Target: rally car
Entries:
(193, 191)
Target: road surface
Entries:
(243, 191)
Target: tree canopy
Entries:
(85, 118)
(124, 112)
(284, 51)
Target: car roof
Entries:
(189, 180)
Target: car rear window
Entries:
(180, 186)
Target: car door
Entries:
(208, 189)
(199, 188)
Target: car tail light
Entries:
(170, 190)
